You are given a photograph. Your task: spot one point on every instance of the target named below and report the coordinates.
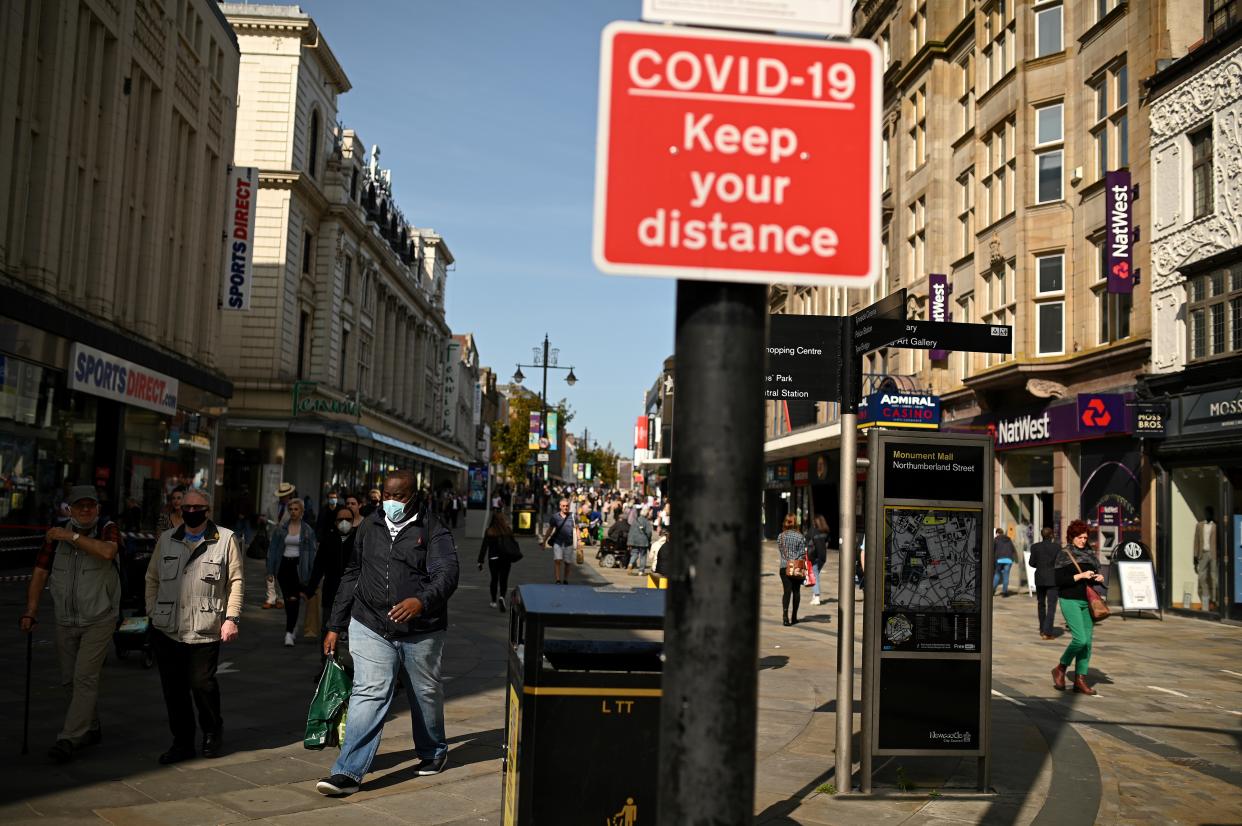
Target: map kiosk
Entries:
(927, 617)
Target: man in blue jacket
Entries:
(393, 599)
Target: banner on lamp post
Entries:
(532, 440)
(1120, 235)
(938, 307)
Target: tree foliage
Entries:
(603, 464)
(510, 438)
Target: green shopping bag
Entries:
(327, 709)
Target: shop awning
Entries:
(415, 450)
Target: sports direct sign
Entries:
(103, 374)
(737, 157)
(239, 241)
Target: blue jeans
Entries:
(815, 587)
(378, 663)
(1001, 577)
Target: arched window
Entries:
(312, 165)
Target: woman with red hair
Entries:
(1076, 571)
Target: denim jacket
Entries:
(306, 559)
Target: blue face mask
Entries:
(394, 510)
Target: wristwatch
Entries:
(75, 538)
(234, 620)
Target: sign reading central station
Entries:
(715, 150)
(803, 356)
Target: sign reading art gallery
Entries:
(242, 193)
(103, 374)
(1119, 240)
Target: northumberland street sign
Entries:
(716, 150)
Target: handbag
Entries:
(509, 549)
(795, 568)
(810, 575)
(1095, 603)
(257, 549)
(328, 707)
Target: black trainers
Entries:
(62, 752)
(176, 754)
(338, 785)
(500, 601)
(211, 745)
(430, 765)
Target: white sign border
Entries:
(709, 273)
(741, 20)
(1150, 578)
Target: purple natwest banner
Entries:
(1119, 238)
(938, 306)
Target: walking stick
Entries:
(26, 719)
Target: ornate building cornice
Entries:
(1195, 99)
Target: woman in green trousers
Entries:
(1073, 580)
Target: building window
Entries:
(1103, 7)
(1215, 312)
(884, 162)
(1110, 133)
(967, 308)
(303, 331)
(999, 297)
(917, 109)
(1050, 155)
(1050, 328)
(364, 365)
(999, 33)
(1049, 275)
(966, 91)
(1201, 171)
(1048, 38)
(344, 355)
(347, 276)
(312, 151)
(1001, 167)
(353, 185)
(1219, 15)
(966, 213)
(1112, 310)
(917, 239)
(308, 252)
(886, 48)
(918, 26)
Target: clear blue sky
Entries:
(485, 112)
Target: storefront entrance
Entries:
(1025, 512)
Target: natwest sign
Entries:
(1120, 232)
(737, 157)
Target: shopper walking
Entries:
(792, 547)
(1044, 560)
(639, 541)
(194, 590)
(818, 552)
(394, 602)
(170, 514)
(78, 564)
(562, 534)
(495, 549)
(1002, 554)
(332, 556)
(290, 558)
(1076, 571)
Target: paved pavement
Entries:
(1162, 744)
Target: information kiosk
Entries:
(927, 619)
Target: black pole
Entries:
(543, 400)
(711, 624)
(26, 718)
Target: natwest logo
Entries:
(1027, 428)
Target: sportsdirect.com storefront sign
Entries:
(101, 374)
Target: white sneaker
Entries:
(492, 603)
(815, 600)
(288, 640)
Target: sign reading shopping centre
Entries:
(737, 157)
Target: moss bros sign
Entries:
(307, 402)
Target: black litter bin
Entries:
(525, 522)
(583, 716)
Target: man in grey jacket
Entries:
(78, 563)
(194, 594)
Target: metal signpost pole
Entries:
(711, 625)
(844, 774)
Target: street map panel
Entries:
(933, 559)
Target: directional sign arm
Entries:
(933, 335)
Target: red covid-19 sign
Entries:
(737, 157)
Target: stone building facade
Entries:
(339, 364)
(116, 135)
(1195, 108)
(1000, 121)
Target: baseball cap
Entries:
(79, 492)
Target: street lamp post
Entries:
(547, 361)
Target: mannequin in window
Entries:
(1205, 558)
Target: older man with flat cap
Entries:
(78, 564)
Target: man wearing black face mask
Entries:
(194, 599)
(80, 560)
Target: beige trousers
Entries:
(82, 650)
